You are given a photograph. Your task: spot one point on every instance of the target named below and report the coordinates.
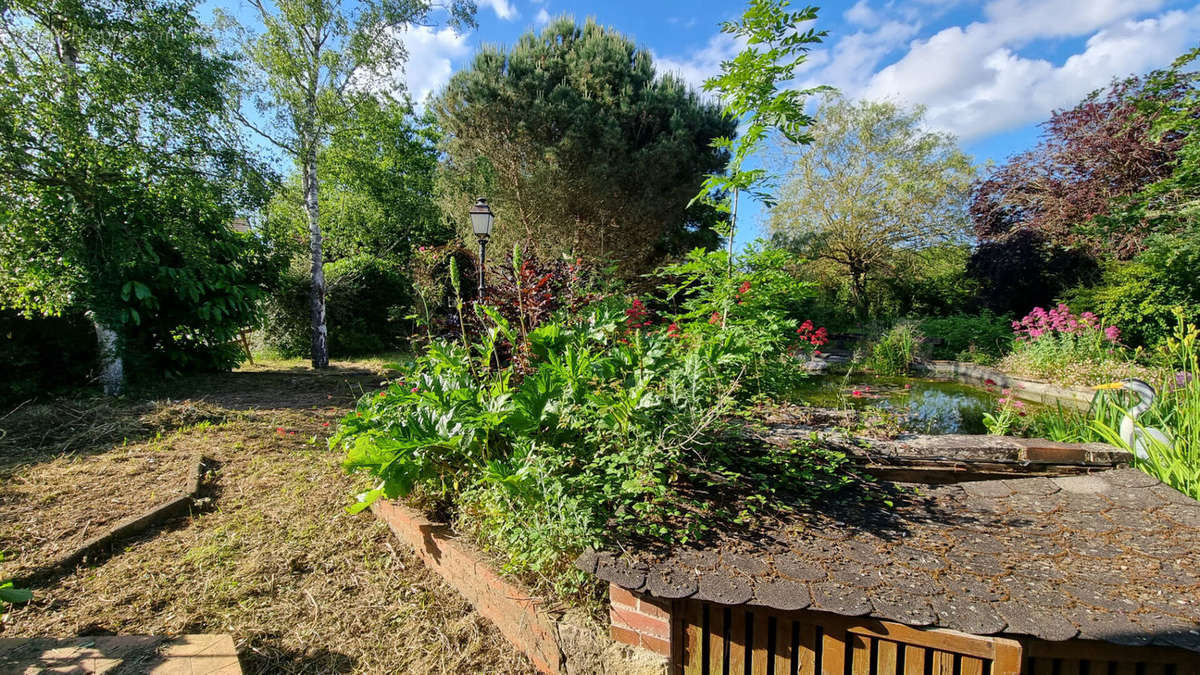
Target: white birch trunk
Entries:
(112, 366)
(320, 346)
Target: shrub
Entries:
(759, 306)
(613, 425)
(366, 301)
(982, 334)
(896, 350)
(1060, 346)
(1141, 296)
(42, 353)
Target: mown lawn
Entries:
(270, 556)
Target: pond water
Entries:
(919, 405)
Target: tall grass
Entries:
(1176, 412)
(896, 349)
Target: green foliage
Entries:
(43, 353)
(1141, 296)
(377, 176)
(759, 306)
(975, 335)
(11, 595)
(120, 175)
(896, 350)
(871, 187)
(609, 428)
(752, 86)
(580, 147)
(1176, 412)
(367, 301)
(318, 67)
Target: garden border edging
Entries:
(129, 526)
(556, 641)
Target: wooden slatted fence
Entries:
(721, 640)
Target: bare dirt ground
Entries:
(270, 556)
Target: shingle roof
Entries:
(1109, 556)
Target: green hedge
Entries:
(984, 333)
(41, 354)
(366, 300)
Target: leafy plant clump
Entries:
(965, 337)
(600, 423)
(896, 351)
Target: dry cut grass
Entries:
(271, 557)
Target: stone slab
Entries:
(199, 654)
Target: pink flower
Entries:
(413, 390)
(856, 393)
(1112, 333)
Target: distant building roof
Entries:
(1109, 556)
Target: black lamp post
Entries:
(481, 222)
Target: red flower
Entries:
(673, 331)
(325, 424)
(990, 382)
(715, 318)
(856, 393)
(744, 288)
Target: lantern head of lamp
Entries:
(481, 219)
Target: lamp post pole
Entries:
(483, 240)
(481, 223)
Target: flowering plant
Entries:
(1041, 323)
(1059, 345)
(1008, 410)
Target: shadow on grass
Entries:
(42, 430)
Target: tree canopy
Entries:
(582, 147)
(314, 63)
(872, 181)
(119, 174)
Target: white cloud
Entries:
(702, 63)
(984, 77)
(503, 8)
(431, 56)
(543, 17)
(861, 14)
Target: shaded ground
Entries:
(271, 558)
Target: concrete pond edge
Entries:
(136, 524)
(1035, 391)
(557, 640)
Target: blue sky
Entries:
(986, 71)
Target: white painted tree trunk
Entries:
(320, 346)
(112, 365)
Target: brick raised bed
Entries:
(556, 641)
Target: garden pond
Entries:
(918, 405)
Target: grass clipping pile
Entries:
(273, 559)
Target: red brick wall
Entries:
(639, 620)
(515, 612)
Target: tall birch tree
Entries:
(313, 62)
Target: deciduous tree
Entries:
(872, 181)
(119, 176)
(314, 62)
